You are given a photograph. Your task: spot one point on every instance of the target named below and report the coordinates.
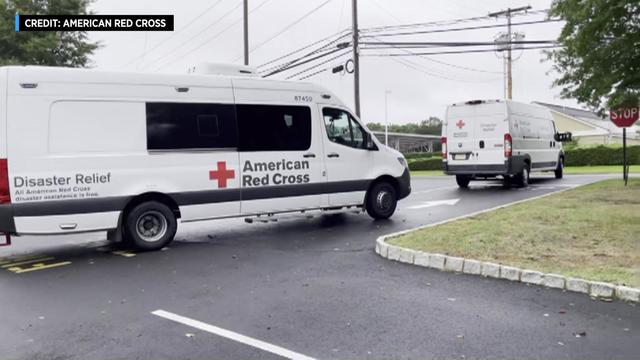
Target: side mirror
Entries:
(563, 137)
(368, 141)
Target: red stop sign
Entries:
(625, 117)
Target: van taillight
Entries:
(443, 141)
(5, 196)
(508, 142)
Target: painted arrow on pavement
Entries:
(428, 204)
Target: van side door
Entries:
(281, 163)
(347, 160)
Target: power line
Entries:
(451, 65)
(417, 67)
(186, 42)
(303, 62)
(214, 36)
(314, 73)
(463, 28)
(456, 52)
(434, 44)
(318, 64)
(189, 23)
(440, 22)
(324, 48)
(290, 25)
(304, 48)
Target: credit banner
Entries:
(94, 23)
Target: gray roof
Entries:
(573, 112)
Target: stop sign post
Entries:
(624, 118)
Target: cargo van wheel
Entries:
(381, 201)
(150, 226)
(463, 181)
(522, 179)
(560, 169)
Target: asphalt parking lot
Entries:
(295, 288)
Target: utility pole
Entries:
(508, 13)
(356, 56)
(386, 118)
(246, 32)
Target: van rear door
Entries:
(475, 133)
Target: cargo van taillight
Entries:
(5, 196)
(443, 141)
(508, 142)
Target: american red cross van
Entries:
(484, 139)
(134, 154)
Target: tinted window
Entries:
(173, 126)
(274, 128)
(342, 128)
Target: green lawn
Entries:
(613, 169)
(590, 232)
(600, 169)
(427, 173)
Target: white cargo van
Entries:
(133, 154)
(497, 138)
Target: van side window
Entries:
(182, 126)
(274, 127)
(342, 128)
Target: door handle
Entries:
(309, 155)
(333, 155)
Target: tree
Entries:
(431, 126)
(69, 48)
(599, 60)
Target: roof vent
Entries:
(222, 69)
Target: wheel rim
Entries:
(384, 200)
(525, 175)
(151, 226)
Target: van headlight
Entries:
(403, 162)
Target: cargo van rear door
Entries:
(490, 126)
(461, 135)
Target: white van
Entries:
(133, 154)
(486, 139)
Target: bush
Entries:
(420, 155)
(434, 163)
(601, 155)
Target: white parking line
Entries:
(274, 349)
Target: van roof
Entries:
(37, 74)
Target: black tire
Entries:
(381, 201)
(506, 182)
(522, 178)
(559, 172)
(463, 181)
(149, 226)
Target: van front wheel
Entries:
(381, 201)
(150, 226)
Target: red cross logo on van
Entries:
(460, 124)
(222, 174)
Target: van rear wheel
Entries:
(463, 181)
(150, 226)
(522, 179)
(381, 201)
(559, 172)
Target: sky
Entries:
(416, 87)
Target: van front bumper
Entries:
(404, 184)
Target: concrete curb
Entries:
(487, 269)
